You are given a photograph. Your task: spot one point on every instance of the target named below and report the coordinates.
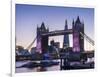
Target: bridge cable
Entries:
(87, 38)
(30, 45)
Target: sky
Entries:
(28, 17)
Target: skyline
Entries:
(29, 16)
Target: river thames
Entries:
(36, 69)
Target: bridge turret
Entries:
(42, 47)
(78, 20)
(78, 41)
(43, 26)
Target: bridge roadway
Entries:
(57, 32)
(72, 56)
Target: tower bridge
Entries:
(77, 32)
(78, 43)
(77, 51)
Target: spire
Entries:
(66, 26)
(43, 26)
(48, 28)
(78, 20)
(66, 37)
(83, 22)
(66, 22)
(73, 22)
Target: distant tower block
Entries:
(66, 37)
(78, 41)
(42, 41)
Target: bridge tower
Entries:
(78, 41)
(66, 37)
(42, 41)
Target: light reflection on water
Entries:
(37, 69)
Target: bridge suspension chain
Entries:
(87, 38)
(30, 45)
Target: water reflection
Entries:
(35, 69)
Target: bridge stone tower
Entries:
(78, 41)
(66, 37)
(42, 41)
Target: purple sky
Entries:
(29, 16)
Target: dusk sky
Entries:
(29, 16)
